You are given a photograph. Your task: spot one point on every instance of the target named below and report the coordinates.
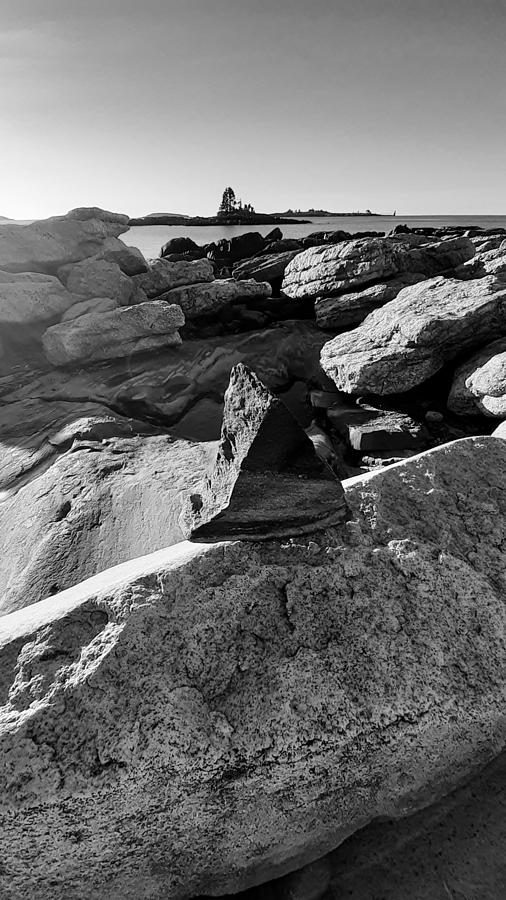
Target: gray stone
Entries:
(46, 245)
(164, 275)
(409, 339)
(351, 309)
(130, 259)
(268, 267)
(207, 299)
(211, 717)
(27, 298)
(345, 267)
(95, 305)
(368, 429)
(479, 385)
(98, 278)
(266, 479)
(121, 332)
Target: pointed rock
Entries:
(267, 480)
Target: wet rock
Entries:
(120, 332)
(267, 479)
(408, 340)
(291, 692)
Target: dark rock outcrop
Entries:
(267, 480)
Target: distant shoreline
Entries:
(251, 219)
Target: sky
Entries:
(158, 105)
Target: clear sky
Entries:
(157, 105)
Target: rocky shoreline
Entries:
(252, 522)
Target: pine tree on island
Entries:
(231, 207)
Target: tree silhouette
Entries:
(228, 202)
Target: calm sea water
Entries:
(151, 238)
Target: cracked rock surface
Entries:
(212, 716)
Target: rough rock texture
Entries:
(213, 716)
(500, 431)
(351, 309)
(270, 267)
(95, 305)
(165, 386)
(266, 479)
(325, 271)
(27, 298)
(479, 385)
(207, 299)
(46, 245)
(99, 278)
(406, 341)
(163, 275)
(97, 500)
(121, 332)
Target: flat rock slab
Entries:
(47, 244)
(409, 339)
(211, 717)
(374, 430)
(351, 309)
(120, 332)
(479, 385)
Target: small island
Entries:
(324, 213)
(231, 212)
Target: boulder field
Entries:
(215, 715)
(305, 685)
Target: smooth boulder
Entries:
(120, 332)
(100, 278)
(270, 267)
(405, 342)
(212, 716)
(28, 298)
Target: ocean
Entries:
(151, 238)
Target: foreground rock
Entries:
(88, 495)
(100, 278)
(214, 716)
(344, 267)
(120, 332)
(405, 342)
(479, 385)
(207, 299)
(46, 245)
(266, 479)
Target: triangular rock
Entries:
(267, 480)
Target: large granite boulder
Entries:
(270, 267)
(164, 275)
(212, 716)
(46, 245)
(92, 494)
(120, 332)
(32, 299)
(266, 479)
(100, 278)
(479, 385)
(130, 259)
(345, 310)
(207, 299)
(345, 267)
(406, 341)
